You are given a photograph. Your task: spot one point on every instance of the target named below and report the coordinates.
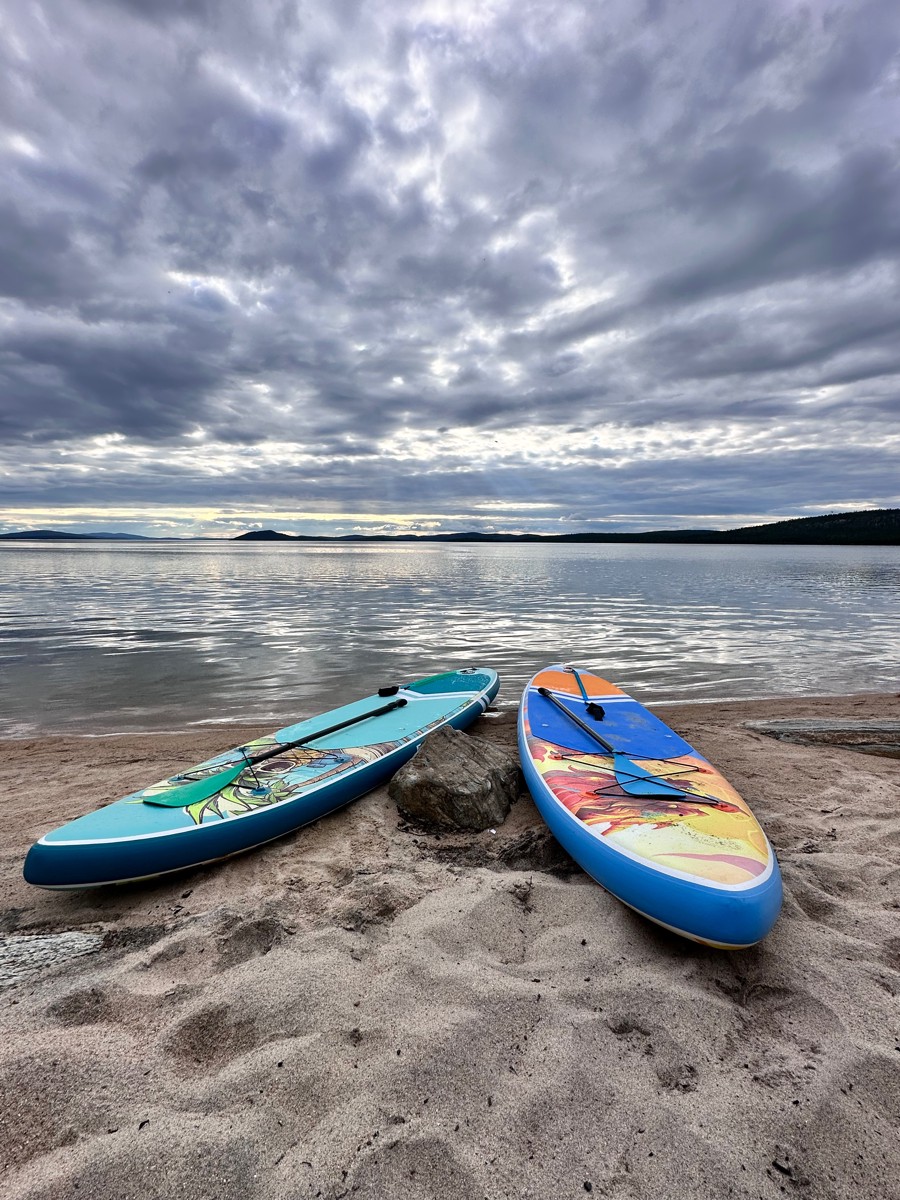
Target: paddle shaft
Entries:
(584, 694)
(192, 791)
(548, 695)
(312, 737)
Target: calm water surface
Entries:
(107, 637)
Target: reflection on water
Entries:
(110, 637)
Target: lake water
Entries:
(105, 637)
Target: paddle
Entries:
(581, 687)
(634, 780)
(595, 709)
(201, 789)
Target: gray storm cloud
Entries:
(639, 266)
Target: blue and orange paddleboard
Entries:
(643, 813)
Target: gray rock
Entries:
(24, 955)
(457, 781)
(867, 735)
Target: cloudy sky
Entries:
(449, 264)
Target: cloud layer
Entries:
(447, 265)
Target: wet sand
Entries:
(363, 1009)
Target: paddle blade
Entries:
(635, 781)
(185, 794)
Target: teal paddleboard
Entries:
(260, 791)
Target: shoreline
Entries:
(362, 1008)
(245, 728)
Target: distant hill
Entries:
(57, 535)
(120, 537)
(269, 535)
(876, 527)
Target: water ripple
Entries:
(132, 637)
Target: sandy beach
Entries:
(363, 1009)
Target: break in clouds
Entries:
(447, 265)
